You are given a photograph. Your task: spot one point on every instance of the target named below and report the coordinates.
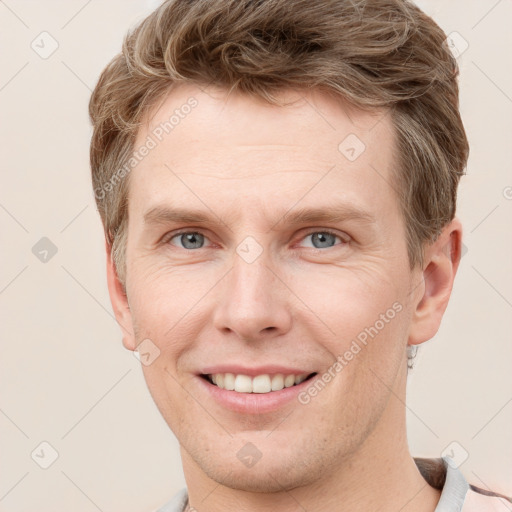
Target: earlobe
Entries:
(119, 302)
(440, 266)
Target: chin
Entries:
(262, 480)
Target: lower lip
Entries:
(254, 403)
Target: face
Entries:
(266, 245)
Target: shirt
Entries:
(456, 494)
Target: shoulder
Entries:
(177, 504)
(456, 492)
(480, 500)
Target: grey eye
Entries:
(321, 240)
(191, 240)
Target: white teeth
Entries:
(299, 378)
(243, 384)
(229, 381)
(289, 381)
(260, 384)
(277, 382)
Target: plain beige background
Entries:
(65, 377)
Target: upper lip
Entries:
(253, 371)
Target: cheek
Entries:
(165, 300)
(350, 300)
(366, 315)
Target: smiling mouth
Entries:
(265, 383)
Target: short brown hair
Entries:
(372, 53)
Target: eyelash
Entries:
(324, 232)
(167, 238)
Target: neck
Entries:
(380, 475)
(385, 485)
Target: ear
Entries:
(441, 261)
(119, 302)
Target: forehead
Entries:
(243, 151)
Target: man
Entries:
(277, 181)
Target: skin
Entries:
(246, 164)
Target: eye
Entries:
(322, 239)
(188, 240)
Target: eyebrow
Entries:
(330, 214)
(333, 214)
(164, 215)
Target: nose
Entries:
(253, 302)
